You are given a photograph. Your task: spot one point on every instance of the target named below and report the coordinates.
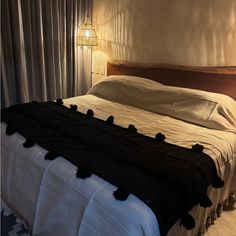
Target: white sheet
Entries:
(54, 202)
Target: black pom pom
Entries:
(217, 182)
(110, 120)
(35, 102)
(160, 137)
(28, 143)
(132, 128)
(51, 155)
(197, 148)
(59, 101)
(83, 172)
(187, 221)
(9, 130)
(121, 194)
(73, 107)
(90, 113)
(206, 201)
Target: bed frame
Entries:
(212, 79)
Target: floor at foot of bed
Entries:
(224, 225)
(11, 226)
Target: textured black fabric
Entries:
(168, 178)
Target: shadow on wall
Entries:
(168, 31)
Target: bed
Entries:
(49, 198)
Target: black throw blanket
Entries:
(170, 179)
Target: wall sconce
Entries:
(87, 35)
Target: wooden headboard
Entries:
(212, 79)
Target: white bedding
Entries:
(48, 196)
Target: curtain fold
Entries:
(39, 58)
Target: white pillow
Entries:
(111, 87)
(212, 110)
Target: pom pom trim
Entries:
(197, 148)
(132, 128)
(73, 107)
(217, 182)
(206, 201)
(188, 221)
(51, 155)
(110, 120)
(59, 101)
(90, 113)
(9, 130)
(160, 137)
(121, 194)
(28, 143)
(83, 172)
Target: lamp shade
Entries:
(87, 35)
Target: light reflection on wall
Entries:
(186, 32)
(99, 69)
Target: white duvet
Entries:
(48, 196)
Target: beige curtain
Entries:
(39, 58)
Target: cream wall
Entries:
(184, 32)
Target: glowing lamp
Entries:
(87, 35)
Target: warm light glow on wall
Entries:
(99, 67)
(201, 33)
(87, 35)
